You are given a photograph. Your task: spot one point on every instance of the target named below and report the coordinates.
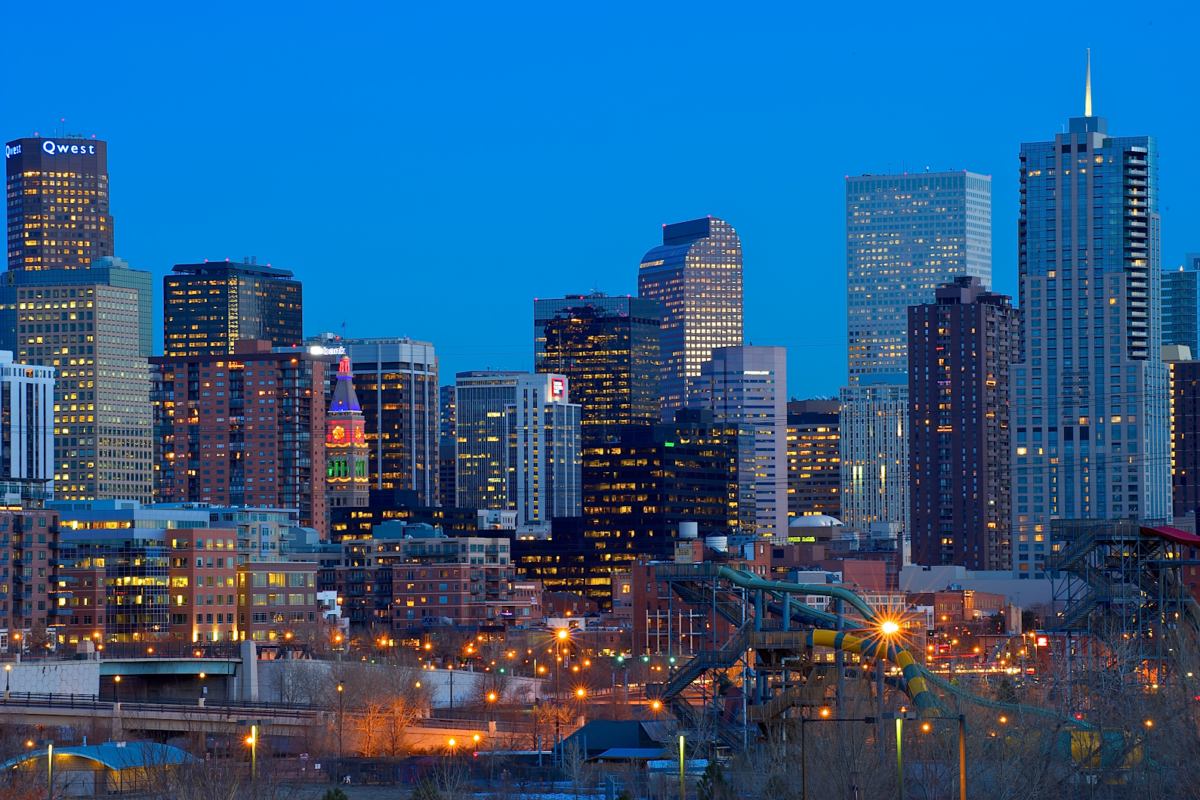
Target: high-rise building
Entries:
(1181, 304)
(209, 307)
(608, 349)
(26, 422)
(874, 451)
(86, 323)
(748, 384)
(637, 489)
(906, 235)
(959, 352)
(248, 430)
(696, 278)
(396, 380)
(57, 203)
(518, 444)
(1092, 392)
(1184, 373)
(447, 445)
(345, 445)
(544, 452)
(814, 461)
(65, 302)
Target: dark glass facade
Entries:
(814, 463)
(1181, 304)
(609, 349)
(696, 278)
(1185, 437)
(57, 203)
(959, 352)
(637, 487)
(384, 505)
(209, 307)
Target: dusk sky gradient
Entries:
(427, 170)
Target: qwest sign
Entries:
(12, 150)
(52, 148)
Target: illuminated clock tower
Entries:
(345, 445)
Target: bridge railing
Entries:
(13, 700)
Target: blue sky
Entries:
(429, 169)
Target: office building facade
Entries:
(543, 450)
(637, 488)
(905, 235)
(959, 352)
(26, 422)
(814, 458)
(396, 382)
(748, 384)
(608, 348)
(1181, 304)
(58, 216)
(695, 276)
(874, 452)
(1092, 387)
(209, 307)
(248, 429)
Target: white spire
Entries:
(1087, 93)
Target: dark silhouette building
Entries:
(608, 348)
(637, 488)
(208, 307)
(814, 464)
(959, 352)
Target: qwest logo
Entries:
(52, 148)
(10, 150)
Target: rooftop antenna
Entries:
(1087, 92)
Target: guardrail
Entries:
(85, 702)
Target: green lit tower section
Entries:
(346, 452)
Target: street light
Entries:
(341, 715)
(116, 685)
(49, 766)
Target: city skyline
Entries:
(757, 195)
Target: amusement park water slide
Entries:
(870, 642)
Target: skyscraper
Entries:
(696, 277)
(814, 460)
(58, 203)
(26, 422)
(65, 302)
(874, 453)
(518, 444)
(209, 307)
(1181, 304)
(608, 349)
(248, 430)
(544, 452)
(345, 445)
(905, 235)
(959, 353)
(748, 384)
(1091, 396)
(448, 434)
(396, 380)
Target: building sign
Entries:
(52, 148)
(558, 387)
(317, 350)
(12, 150)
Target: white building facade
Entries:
(26, 421)
(874, 453)
(748, 384)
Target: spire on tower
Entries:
(1087, 92)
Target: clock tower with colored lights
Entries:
(345, 445)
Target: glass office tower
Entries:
(1181, 304)
(608, 349)
(696, 277)
(1091, 402)
(905, 236)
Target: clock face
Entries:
(339, 433)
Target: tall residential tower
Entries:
(696, 277)
(1091, 398)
